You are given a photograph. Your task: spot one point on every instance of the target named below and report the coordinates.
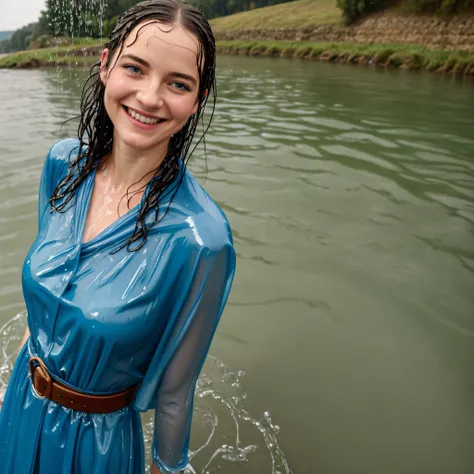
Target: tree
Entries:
(216, 8)
(77, 18)
(19, 40)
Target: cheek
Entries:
(116, 89)
(112, 99)
(183, 109)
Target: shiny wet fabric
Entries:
(103, 320)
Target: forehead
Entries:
(163, 43)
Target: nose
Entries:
(150, 96)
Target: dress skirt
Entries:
(38, 436)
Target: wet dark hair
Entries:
(95, 131)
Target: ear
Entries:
(103, 67)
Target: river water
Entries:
(351, 322)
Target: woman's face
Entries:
(151, 89)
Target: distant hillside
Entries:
(320, 21)
(298, 14)
(5, 35)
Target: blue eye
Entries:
(182, 87)
(132, 69)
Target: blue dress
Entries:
(104, 321)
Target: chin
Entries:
(140, 142)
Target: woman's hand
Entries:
(154, 469)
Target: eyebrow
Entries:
(147, 64)
(137, 59)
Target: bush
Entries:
(108, 26)
(316, 51)
(257, 50)
(396, 59)
(434, 64)
(272, 51)
(303, 52)
(441, 6)
(352, 10)
(287, 52)
(384, 54)
(43, 41)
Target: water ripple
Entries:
(350, 193)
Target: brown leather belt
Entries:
(47, 387)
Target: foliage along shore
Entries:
(402, 56)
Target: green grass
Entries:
(382, 55)
(72, 54)
(67, 42)
(297, 14)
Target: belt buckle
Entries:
(41, 381)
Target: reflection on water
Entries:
(350, 192)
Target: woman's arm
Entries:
(206, 289)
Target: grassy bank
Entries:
(81, 52)
(396, 55)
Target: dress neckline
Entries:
(88, 189)
(86, 196)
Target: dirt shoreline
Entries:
(380, 56)
(380, 61)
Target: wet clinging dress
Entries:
(104, 321)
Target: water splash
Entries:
(10, 337)
(225, 435)
(69, 18)
(73, 23)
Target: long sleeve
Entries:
(199, 315)
(200, 294)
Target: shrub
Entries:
(287, 52)
(316, 51)
(43, 41)
(303, 52)
(257, 50)
(434, 64)
(416, 60)
(352, 10)
(396, 59)
(384, 54)
(444, 7)
(272, 51)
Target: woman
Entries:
(132, 265)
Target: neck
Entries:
(125, 166)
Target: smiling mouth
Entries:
(141, 118)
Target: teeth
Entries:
(141, 118)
